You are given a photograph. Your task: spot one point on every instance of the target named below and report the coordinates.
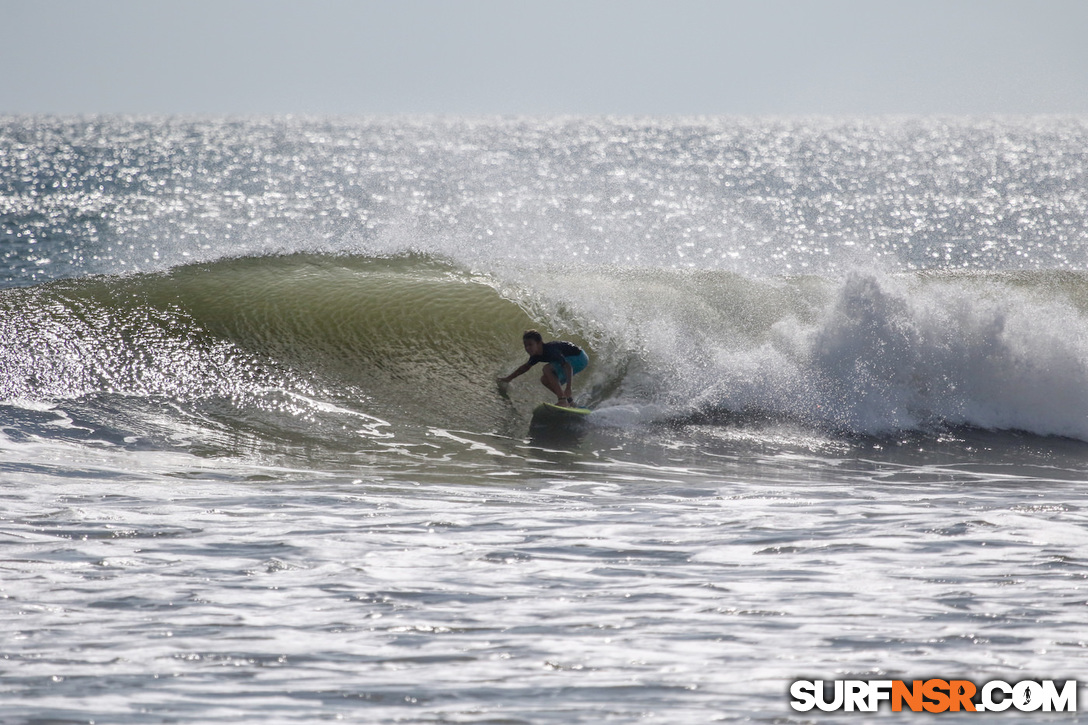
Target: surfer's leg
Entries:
(551, 381)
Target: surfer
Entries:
(564, 360)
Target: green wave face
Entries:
(412, 335)
(402, 341)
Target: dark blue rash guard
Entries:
(556, 352)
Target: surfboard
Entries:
(549, 414)
(553, 408)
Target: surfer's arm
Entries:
(520, 371)
(569, 372)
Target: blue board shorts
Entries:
(577, 364)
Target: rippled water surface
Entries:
(574, 586)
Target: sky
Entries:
(544, 57)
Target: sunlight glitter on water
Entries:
(612, 596)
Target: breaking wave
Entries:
(413, 340)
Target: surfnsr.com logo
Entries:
(933, 695)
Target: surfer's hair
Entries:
(532, 335)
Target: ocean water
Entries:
(255, 465)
